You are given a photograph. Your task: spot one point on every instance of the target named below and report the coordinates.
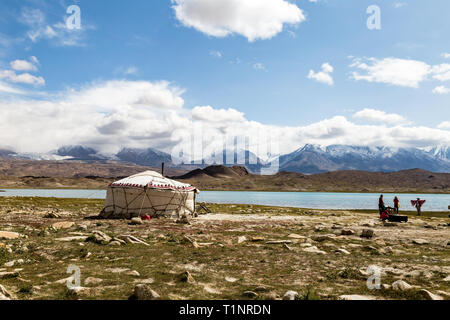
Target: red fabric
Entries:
(418, 202)
(147, 217)
(384, 216)
(396, 201)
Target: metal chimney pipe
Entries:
(162, 169)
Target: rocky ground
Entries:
(237, 252)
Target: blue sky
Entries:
(401, 85)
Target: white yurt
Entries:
(149, 193)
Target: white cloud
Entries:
(131, 70)
(253, 19)
(398, 5)
(446, 55)
(259, 66)
(399, 72)
(57, 32)
(323, 76)
(216, 54)
(208, 114)
(441, 90)
(441, 72)
(21, 78)
(114, 114)
(23, 65)
(444, 125)
(378, 116)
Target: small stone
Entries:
(6, 235)
(99, 237)
(420, 241)
(186, 277)
(290, 295)
(133, 273)
(10, 263)
(52, 215)
(241, 239)
(342, 250)
(347, 232)
(257, 239)
(429, 296)
(230, 279)
(355, 297)
(63, 225)
(367, 233)
(401, 285)
(270, 296)
(9, 275)
(144, 292)
(114, 243)
(314, 249)
(91, 280)
(136, 221)
(323, 238)
(296, 236)
(250, 294)
(4, 294)
(183, 220)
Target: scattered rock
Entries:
(98, 237)
(342, 250)
(144, 292)
(296, 236)
(250, 294)
(270, 296)
(4, 294)
(278, 242)
(133, 273)
(7, 235)
(401, 285)
(133, 240)
(314, 249)
(230, 279)
(420, 241)
(186, 277)
(91, 280)
(74, 238)
(367, 233)
(322, 238)
(257, 239)
(183, 220)
(355, 297)
(9, 275)
(241, 239)
(52, 215)
(63, 225)
(136, 221)
(347, 232)
(429, 296)
(115, 243)
(290, 295)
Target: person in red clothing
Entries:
(396, 204)
(381, 206)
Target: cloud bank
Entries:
(114, 114)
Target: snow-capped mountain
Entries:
(316, 159)
(309, 159)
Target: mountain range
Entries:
(309, 159)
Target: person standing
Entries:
(418, 206)
(381, 206)
(396, 204)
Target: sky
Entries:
(152, 73)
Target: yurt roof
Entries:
(154, 180)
